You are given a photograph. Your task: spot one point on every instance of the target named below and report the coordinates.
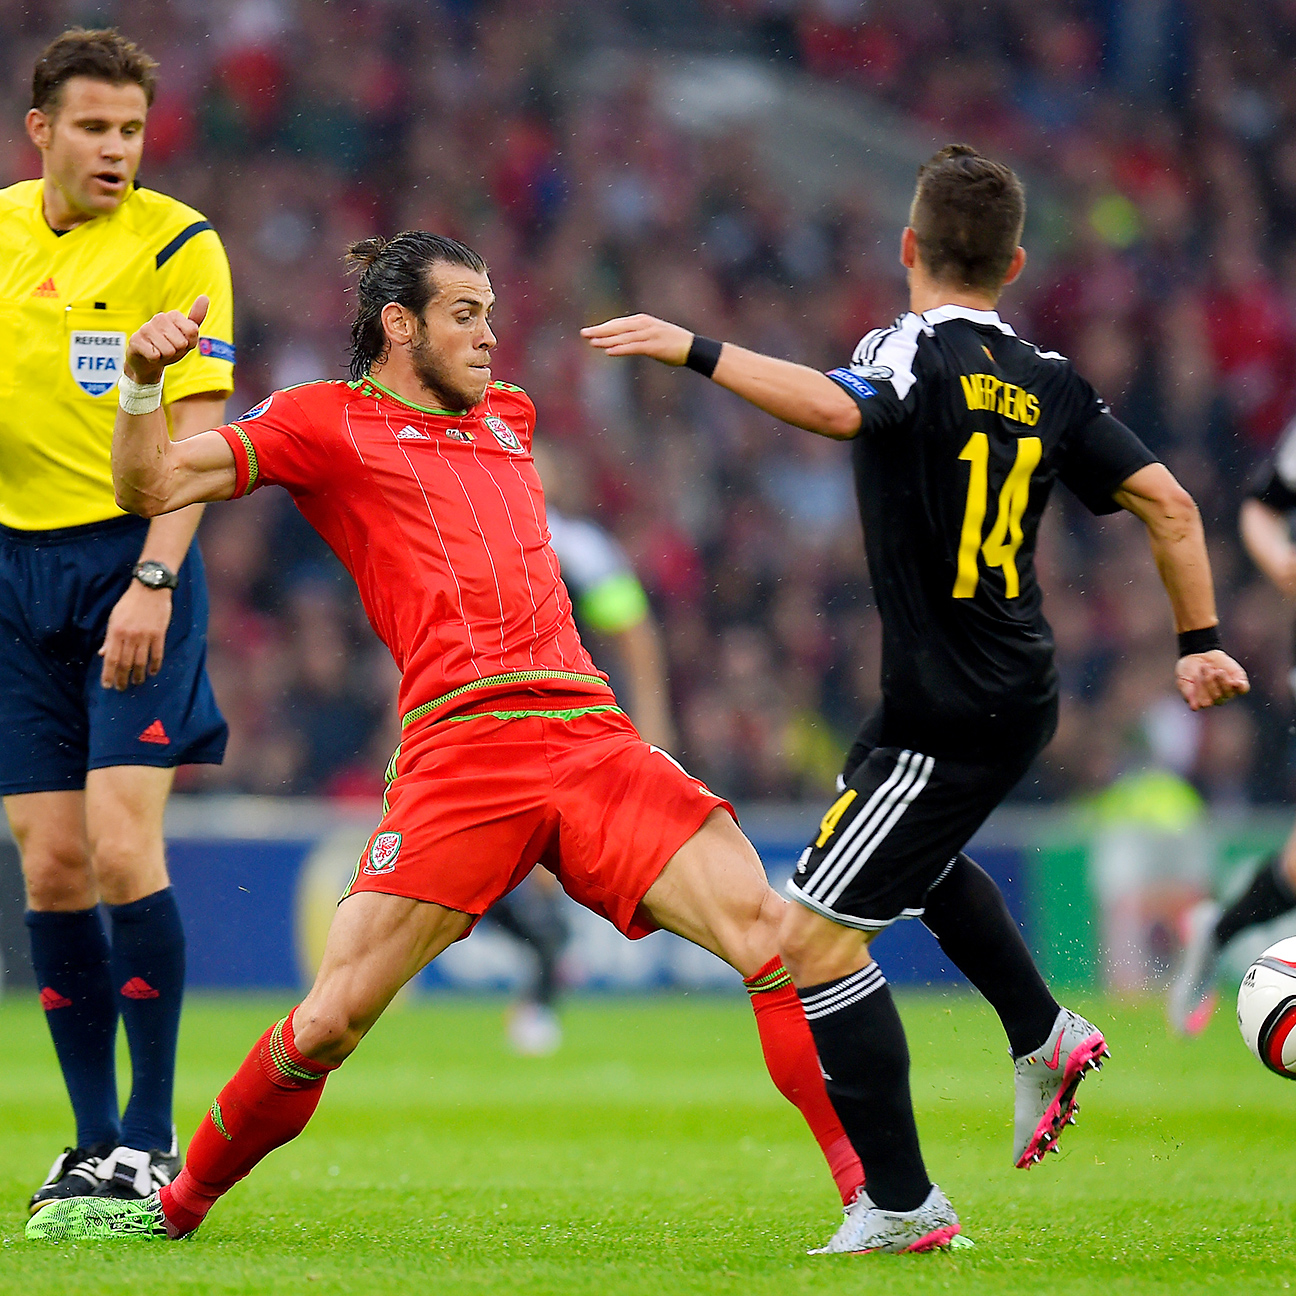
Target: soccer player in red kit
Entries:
(419, 475)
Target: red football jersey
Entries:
(440, 519)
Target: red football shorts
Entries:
(476, 802)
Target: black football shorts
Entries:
(894, 833)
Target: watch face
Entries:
(154, 575)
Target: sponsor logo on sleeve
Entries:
(850, 379)
(95, 358)
(504, 434)
(215, 348)
(382, 853)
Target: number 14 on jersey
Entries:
(1001, 545)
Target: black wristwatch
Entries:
(155, 575)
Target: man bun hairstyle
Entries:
(967, 214)
(103, 55)
(397, 270)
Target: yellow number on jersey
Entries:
(1000, 547)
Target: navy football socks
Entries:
(71, 960)
(148, 968)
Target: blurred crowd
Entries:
(1158, 138)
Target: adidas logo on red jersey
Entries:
(409, 433)
(155, 734)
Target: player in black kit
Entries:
(1265, 524)
(959, 430)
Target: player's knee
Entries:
(768, 923)
(57, 876)
(796, 942)
(326, 1033)
(815, 950)
(748, 928)
(126, 869)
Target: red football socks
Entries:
(794, 1067)
(266, 1104)
(275, 1092)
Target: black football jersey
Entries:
(964, 428)
(1276, 484)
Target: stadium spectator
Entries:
(1161, 148)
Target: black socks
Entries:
(148, 971)
(967, 915)
(85, 985)
(536, 919)
(865, 1061)
(71, 959)
(1268, 896)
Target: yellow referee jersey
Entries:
(68, 302)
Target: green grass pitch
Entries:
(652, 1155)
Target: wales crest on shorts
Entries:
(382, 853)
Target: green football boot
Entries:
(95, 1219)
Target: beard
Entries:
(452, 389)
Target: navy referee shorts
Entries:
(57, 589)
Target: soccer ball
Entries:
(1266, 1008)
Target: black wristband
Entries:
(703, 355)
(1205, 640)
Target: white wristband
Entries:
(138, 398)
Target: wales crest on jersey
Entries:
(503, 433)
(95, 357)
(382, 852)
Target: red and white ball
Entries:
(1266, 1008)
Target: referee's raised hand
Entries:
(167, 338)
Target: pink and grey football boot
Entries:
(1046, 1085)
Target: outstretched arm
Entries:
(644, 660)
(794, 393)
(1268, 540)
(151, 473)
(1179, 548)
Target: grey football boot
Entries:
(870, 1228)
(1046, 1083)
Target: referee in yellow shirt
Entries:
(103, 617)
